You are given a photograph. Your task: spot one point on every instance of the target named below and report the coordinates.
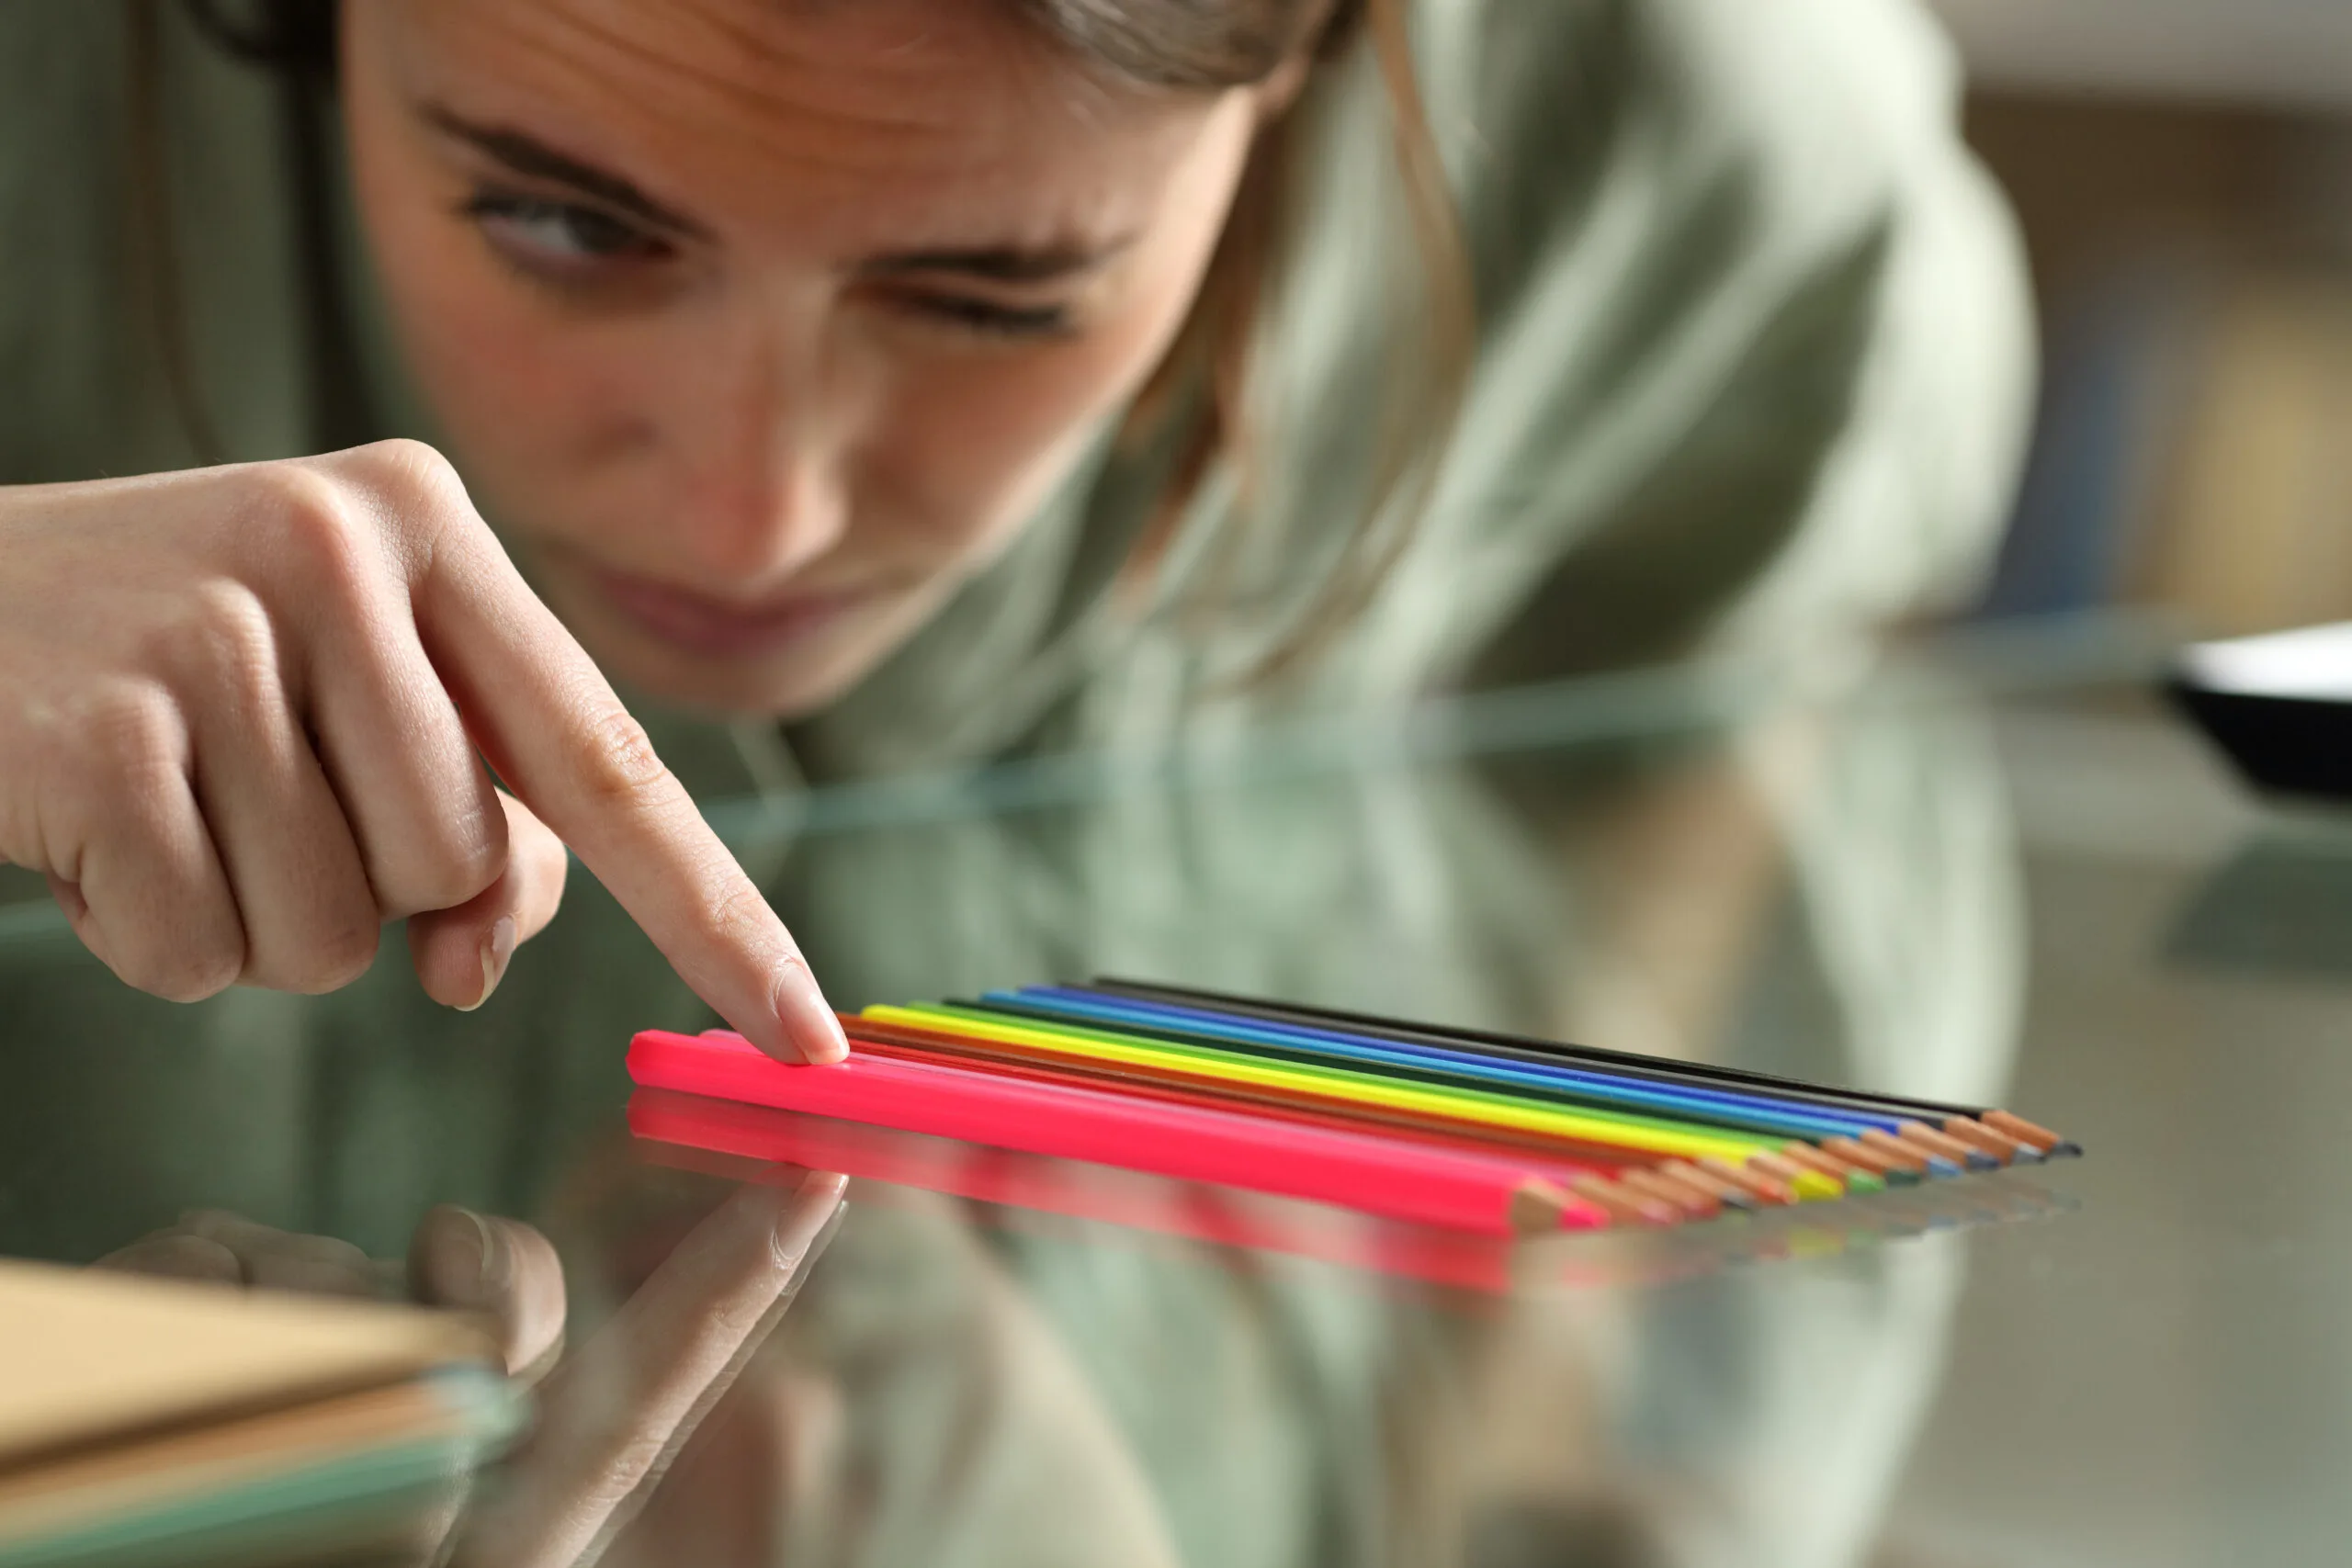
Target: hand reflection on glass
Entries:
(610, 1417)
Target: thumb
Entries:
(461, 952)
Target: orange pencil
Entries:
(1624, 1203)
(2052, 1145)
(1689, 1201)
(1893, 1167)
(1919, 1135)
(1938, 1165)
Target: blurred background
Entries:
(2183, 169)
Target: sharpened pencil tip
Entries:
(1811, 1186)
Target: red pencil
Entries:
(1370, 1174)
(1548, 1164)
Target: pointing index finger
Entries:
(564, 744)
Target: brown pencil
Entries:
(2000, 1145)
(1892, 1166)
(1784, 1169)
(1813, 1158)
(1918, 1135)
(1936, 1164)
(1696, 1203)
(1624, 1203)
(1727, 1192)
(2052, 1145)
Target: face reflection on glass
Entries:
(761, 324)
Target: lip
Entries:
(712, 627)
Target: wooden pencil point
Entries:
(1803, 1154)
(1692, 1202)
(1804, 1182)
(1994, 1141)
(1933, 1164)
(1726, 1192)
(1770, 1189)
(1499, 1133)
(2025, 1131)
(1868, 1158)
(1920, 1135)
(1624, 1203)
(1535, 1207)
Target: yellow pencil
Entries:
(1333, 1083)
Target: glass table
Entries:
(1997, 871)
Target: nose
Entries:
(764, 492)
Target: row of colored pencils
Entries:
(1472, 1130)
(751, 1143)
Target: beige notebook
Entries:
(92, 1358)
(144, 1422)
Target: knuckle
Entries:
(326, 535)
(138, 746)
(735, 909)
(228, 644)
(337, 954)
(187, 974)
(466, 855)
(422, 486)
(466, 869)
(738, 912)
(212, 1225)
(417, 466)
(332, 1250)
(622, 1469)
(619, 766)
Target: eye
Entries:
(560, 237)
(994, 319)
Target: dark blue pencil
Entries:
(1546, 1082)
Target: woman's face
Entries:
(762, 324)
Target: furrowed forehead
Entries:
(889, 80)
(960, 107)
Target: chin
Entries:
(789, 683)
(780, 690)
(796, 680)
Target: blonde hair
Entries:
(1206, 376)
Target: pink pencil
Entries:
(724, 1138)
(1374, 1175)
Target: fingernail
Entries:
(806, 1225)
(808, 1019)
(497, 948)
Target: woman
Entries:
(942, 379)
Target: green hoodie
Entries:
(1752, 370)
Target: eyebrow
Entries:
(526, 155)
(1003, 264)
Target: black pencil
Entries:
(2007, 1127)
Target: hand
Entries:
(240, 713)
(502, 1272)
(611, 1415)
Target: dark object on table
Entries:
(2280, 706)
